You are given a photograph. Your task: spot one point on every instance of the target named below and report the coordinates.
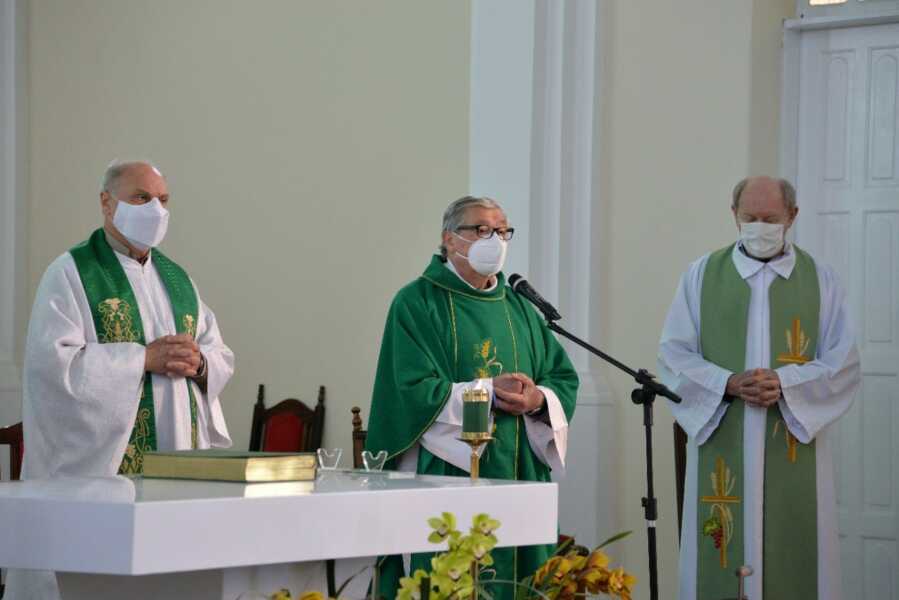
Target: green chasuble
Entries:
(790, 496)
(117, 319)
(440, 331)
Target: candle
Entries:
(475, 412)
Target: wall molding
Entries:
(536, 75)
(12, 193)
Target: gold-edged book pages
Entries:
(230, 465)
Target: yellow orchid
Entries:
(410, 587)
(479, 547)
(308, 596)
(574, 572)
(597, 559)
(484, 525)
(282, 594)
(443, 526)
(545, 569)
(620, 583)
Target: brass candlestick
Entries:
(475, 424)
(475, 443)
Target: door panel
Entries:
(848, 185)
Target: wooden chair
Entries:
(288, 426)
(680, 472)
(12, 436)
(358, 437)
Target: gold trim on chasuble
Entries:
(190, 326)
(117, 323)
(720, 524)
(133, 461)
(797, 345)
(483, 352)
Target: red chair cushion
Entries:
(283, 433)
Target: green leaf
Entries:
(349, 579)
(562, 548)
(614, 538)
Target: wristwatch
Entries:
(201, 372)
(540, 410)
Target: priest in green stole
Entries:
(758, 343)
(459, 325)
(121, 356)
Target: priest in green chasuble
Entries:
(121, 356)
(456, 326)
(758, 343)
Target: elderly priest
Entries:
(122, 356)
(456, 326)
(758, 343)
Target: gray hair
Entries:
(117, 168)
(454, 214)
(787, 192)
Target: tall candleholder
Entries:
(475, 422)
(475, 457)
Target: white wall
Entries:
(310, 148)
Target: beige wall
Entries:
(692, 106)
(310, 149)
(329, 135)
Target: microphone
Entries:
(521, 286)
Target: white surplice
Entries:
(814, 396)
(81, 397)
(549, 441)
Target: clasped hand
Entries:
(760, 387)
(174, 356)
(516, 393)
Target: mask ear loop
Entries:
(469, 242)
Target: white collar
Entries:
(748, 266)
(493, 281)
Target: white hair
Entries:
(117, 168)
(454, 214)
(787, 192)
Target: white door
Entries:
(848, 181)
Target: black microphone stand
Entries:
(645, 395)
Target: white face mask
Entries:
(143, 225)
(762, 240)
(486, 256)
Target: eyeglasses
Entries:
(485, 231)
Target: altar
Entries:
(152, 538)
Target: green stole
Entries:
(117, 319)
(790, 516)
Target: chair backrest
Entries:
(12, 437)
(358, 437)
(680, 471)
(288, 426)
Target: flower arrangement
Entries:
(575, 572)
(459, 573)
(455, 573)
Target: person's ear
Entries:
(793, 213)
(107, 204)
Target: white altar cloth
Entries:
(211, 532)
